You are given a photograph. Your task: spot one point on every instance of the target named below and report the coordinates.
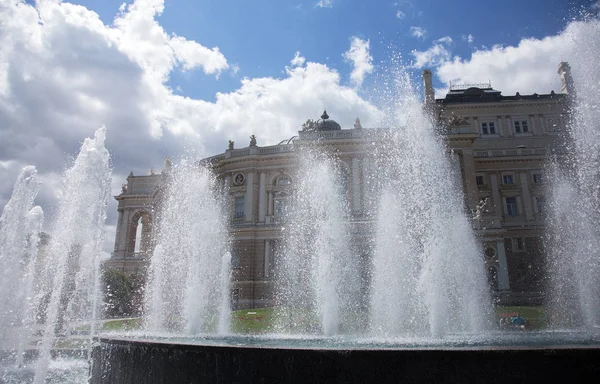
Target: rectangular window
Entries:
(507, 179)
(235, 258)
(488, 128)
(281, 209)
(518, 244)
(521, 126)
(511, 206)
(240, 203)
(538, 178)
(540, 203)
(480, 180)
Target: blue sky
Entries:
(262, 36)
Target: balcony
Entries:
(510, 152)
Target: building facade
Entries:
(503, 143)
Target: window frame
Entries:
(486, 128)
(480, 177)
(510, 211)
(521, 126)
(512, 179)
(239, 214)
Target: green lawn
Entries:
(535, 316)
(262, 320)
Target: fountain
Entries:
(424, 313)
(419, 310)
(57, 286)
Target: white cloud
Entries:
(418, 32)
(298, 60)
(444, 40)
(436, 55)
(470, 38)
(361, 59)
(527, 68)
(400, 15)
(325, 4)
(64, 73)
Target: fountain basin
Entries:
(519, 357)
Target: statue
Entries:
(231, 145)
(253, 141)
(309, 126)
(357, 124)
(168, 163)
(123, 188)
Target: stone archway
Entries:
(139, 235)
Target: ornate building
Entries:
(503, 144)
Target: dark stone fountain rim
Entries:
(516, 342)
(121, 360)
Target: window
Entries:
(488, 128)
(480, 180)
(281, 208)
(239, 207)
(511, 206)
(540, 204)
(507, 179)
(538, 178)
(235, 258)
(284, 180)
(521, 126)
(518, 244)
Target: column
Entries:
(542, 121)
(503, 281)
(476, 126)
(527, 203)
(509, 126)
(496, 199)
(367, 184)
(469, 172)
(249, 196)
(500, 126)
(270, 204)
(262, 196)
(267, 260)
(119, 233)
(533, 125)
(356, 184)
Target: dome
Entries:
(327, 125)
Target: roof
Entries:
(482, 95)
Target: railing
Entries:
(240, 152)
(276, 149)
(510, 152)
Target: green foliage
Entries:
(122, 293)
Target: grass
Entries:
(535, 316)
(252, 321)
(123, 324)
(263, 320)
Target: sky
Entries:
(180, 77)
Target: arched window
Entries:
(284, 181)
(140, 233)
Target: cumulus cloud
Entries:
(435, 55)
(418, 32)
(400, 15)
(64, 73)
(360, 58)
(529, 67)
(298, 60)
(325, 4)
